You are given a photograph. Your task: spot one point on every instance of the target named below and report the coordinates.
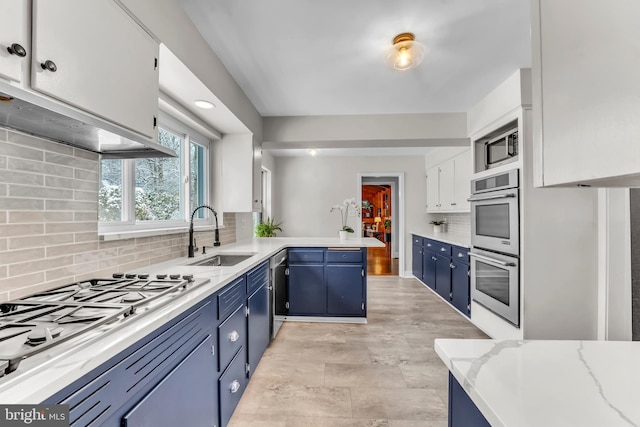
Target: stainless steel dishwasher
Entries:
(277, 292)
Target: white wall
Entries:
(305, 188)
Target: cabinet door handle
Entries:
(434, 258)
(17, 50)
(451, 266)
(453, 204)
(443, 249)
(49, 66)
(428, 245)
(234, 336)
(235, 386)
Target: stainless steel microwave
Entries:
(501, 149)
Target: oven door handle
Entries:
(494, 197)
(493, 260)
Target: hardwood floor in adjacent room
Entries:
(381, 374)
(380, 263)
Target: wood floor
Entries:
(381, 374)
(380, 263)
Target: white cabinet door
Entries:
(585, 78)
(14, 29)
(433, 189)
(105, 63)
(462, 182)
(447, 189)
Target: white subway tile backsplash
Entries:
(39, 167)
(21, 151)
(24, 140)
(29, 191)
(13, 203)
(22, 217)
(39, 241)
(51, 188)
(22, 255)
(86, 175)
(71, 227)
(64, 205)
(13, 230)
(39, 265)
(17, 177)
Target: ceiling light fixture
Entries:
(204, 104)
(406, 53)
(312, 151)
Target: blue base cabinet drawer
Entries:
(232, 335)
(231, 386)
(257, 277)
(306, 255)
(344, 256)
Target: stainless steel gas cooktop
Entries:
(37, 323)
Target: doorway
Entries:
(382, 219)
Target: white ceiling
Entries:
(327, 57)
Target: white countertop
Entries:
(459, 239)
(548, 383)
(29, 385)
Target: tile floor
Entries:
(382, 374)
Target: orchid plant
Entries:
(344, 212)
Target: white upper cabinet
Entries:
(14, 40)
(92, 55)
(241, 177)
(448, 185)
(586, 92)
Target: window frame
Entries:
(129, 224)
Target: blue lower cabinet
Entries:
(460, 287)
(429, 268)
(462, 411)
(187, 384)
(345, 290)
(443, 277)
(306, 289)
(416, 257)
(257, 326)
(231, 386)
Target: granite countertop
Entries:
(31, 385)
(548, 383)
(458, 239)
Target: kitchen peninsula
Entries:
(209, 324)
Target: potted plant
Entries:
(387, 225)
(344, 215)
(268, 228)
(437, 226)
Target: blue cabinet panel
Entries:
(232, 335)
(257, 277)
(443, 277)
(460, 287)
(231, 386)
(429, 268)
(462, 411)
(416, 257)
(345, 290)
(306, 289)
(106, 394)
(159, 409)
(257, 326)
(231, 296)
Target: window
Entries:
(156, 192)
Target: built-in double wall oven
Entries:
(495, 240)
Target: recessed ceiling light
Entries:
(312, 151)
(204, 104)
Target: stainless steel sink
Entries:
(222, 260)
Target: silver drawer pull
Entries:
(460, 255)
(443, 249)
(234, 336)
(235, 386)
